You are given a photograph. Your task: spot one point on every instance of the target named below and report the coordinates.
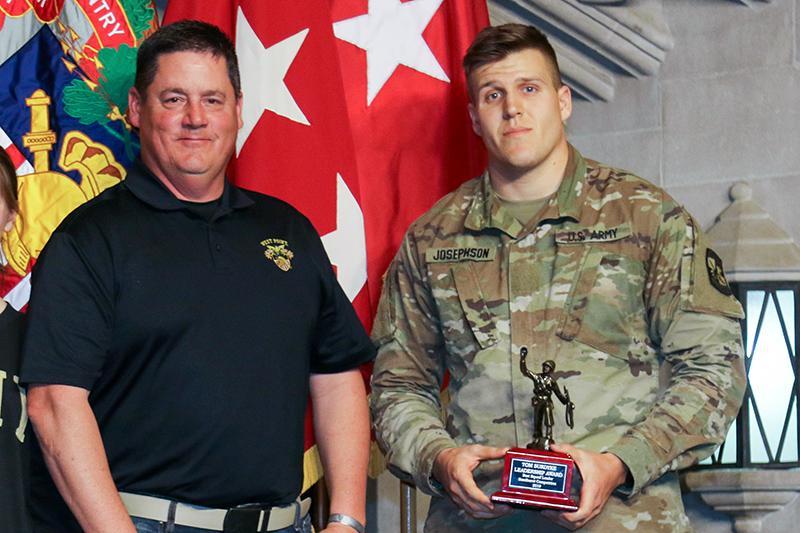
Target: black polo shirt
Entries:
(195, 336)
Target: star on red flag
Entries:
(263, 70)
(391, 33)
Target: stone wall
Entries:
(725, 106)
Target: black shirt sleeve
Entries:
(341, 342)
(70, 313)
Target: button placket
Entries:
(520, 296)
(216, 248)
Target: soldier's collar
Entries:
(572, 191)
(485, 211)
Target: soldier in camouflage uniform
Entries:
(606, 275)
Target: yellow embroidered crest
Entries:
(278, 251)
(716, 274)
(47, 195)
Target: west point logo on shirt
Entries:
(463, 253)
(278, 251)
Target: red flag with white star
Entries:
(356, 113)
(407, 102)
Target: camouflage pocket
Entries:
(467, 322)
(604, 308)
(473, 304)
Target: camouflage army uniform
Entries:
(611, 281)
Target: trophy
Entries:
(537, 476)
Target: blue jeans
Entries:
(144, 525)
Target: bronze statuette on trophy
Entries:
(536, 476)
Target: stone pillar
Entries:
(748, 495)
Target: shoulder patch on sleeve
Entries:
(704, 287)
(716, 274)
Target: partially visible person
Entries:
(14, 431)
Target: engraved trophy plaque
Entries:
(537, 476)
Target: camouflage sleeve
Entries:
(693, 320)
(408, 373)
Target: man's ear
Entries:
(565, 102)
(473, 115)
(134, 103)
(239, 105)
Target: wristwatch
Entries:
(347, 521)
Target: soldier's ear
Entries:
(473, 115)
(565, 102)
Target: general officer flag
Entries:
(407, 104)
(65, 70)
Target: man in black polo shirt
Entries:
(177, 325)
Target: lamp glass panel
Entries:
(787, 305)
(729, 453)
(786, 302)
(789, 453)
(771, 376)
(753, 311)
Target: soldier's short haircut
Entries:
(494, 43)
(8, 182)
(185, 36)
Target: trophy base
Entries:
(537, 478)
(541, 502)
